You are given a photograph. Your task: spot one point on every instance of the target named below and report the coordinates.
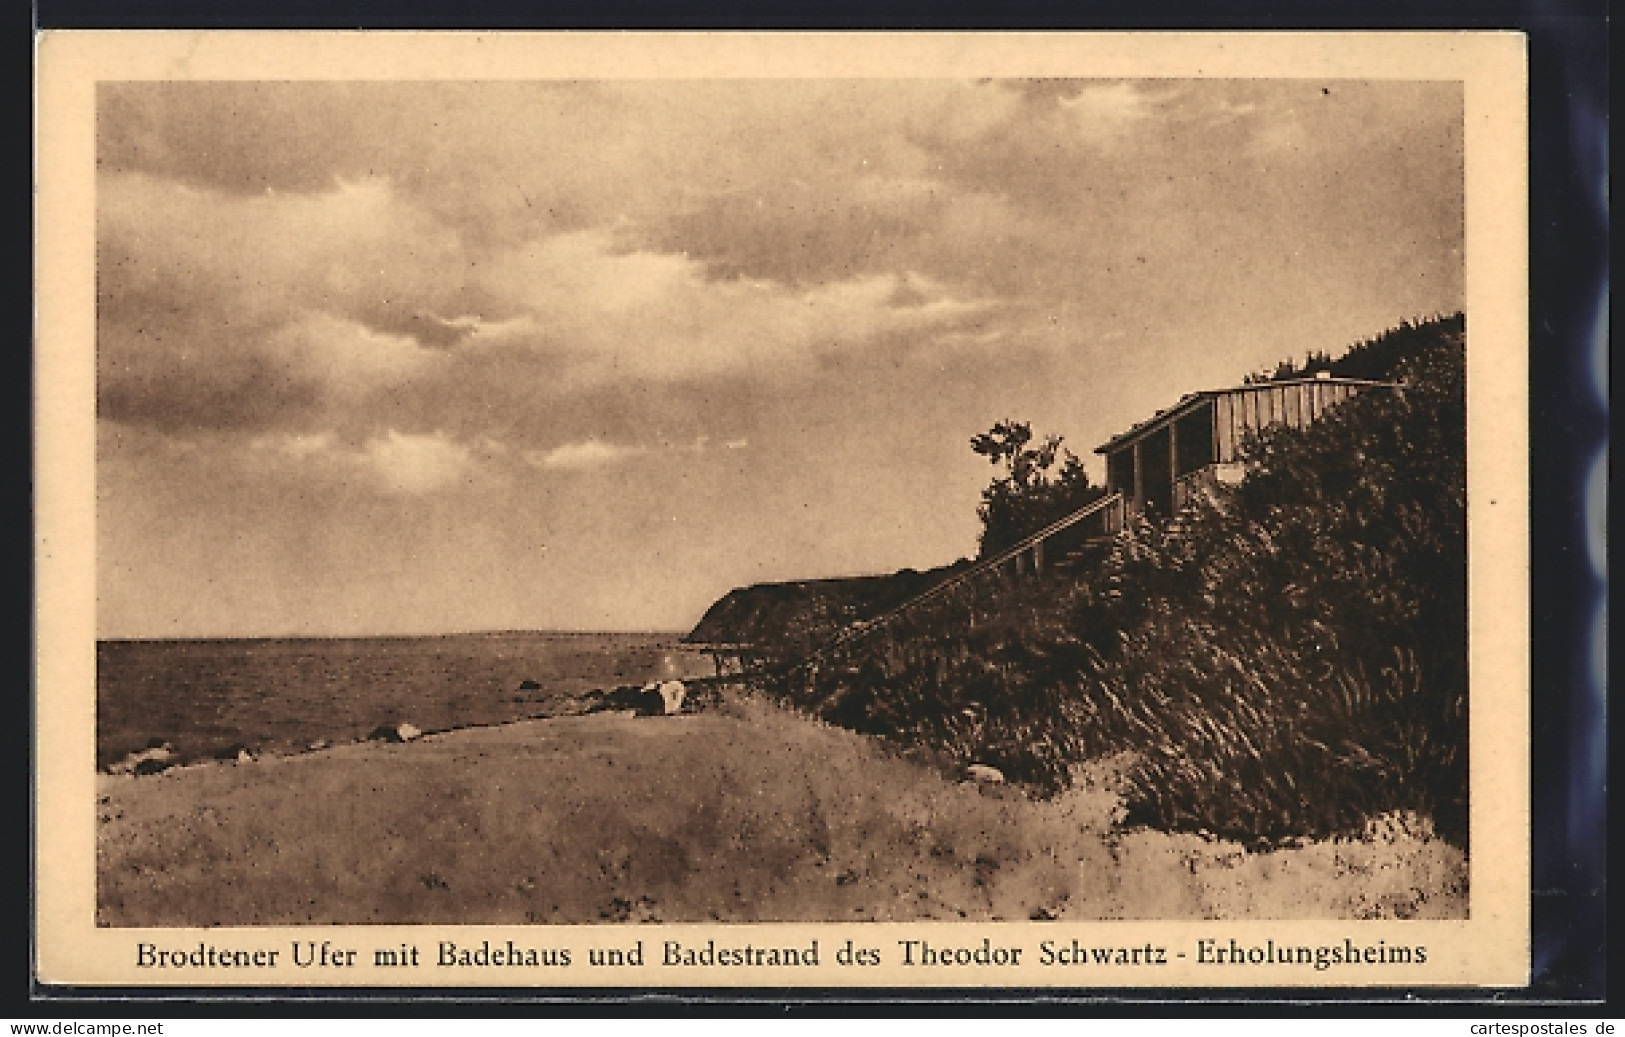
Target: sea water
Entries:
(209, 697)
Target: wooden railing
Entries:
(1191, 485)
(1111, 505)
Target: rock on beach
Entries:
(671, 696)
(984, 773)
(394, 733)
(151, 760)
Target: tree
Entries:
(1040, 484)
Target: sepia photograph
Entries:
(613, 501)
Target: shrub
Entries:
(1286, 661)
(1294, 655)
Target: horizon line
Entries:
(100, 638)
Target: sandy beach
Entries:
(749, 813)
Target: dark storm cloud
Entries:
(241, 137)
(428, 330)
(500, 161)
(796, 234)
(247, 394)
(424, 219)
(1105, 150)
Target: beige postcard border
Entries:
(1490, 949)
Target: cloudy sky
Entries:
(397, 358)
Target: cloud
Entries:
(218, 310)
(393, 462)
(418, 463)
(297, 447)
(596, 453)
(506, 161)
(645, 249)
(800, 232)
(1102, 113)
(398, 302)
(345, 303)
(586, 454)
(612, 314)
(349, 357)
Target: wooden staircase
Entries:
(1071, 560)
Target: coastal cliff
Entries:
(802, 613)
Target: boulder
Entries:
(528, 685)
(157, 756)
(644, 701)
(985, 774)
(394, 733)
(671, 696)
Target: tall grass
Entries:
(1299, 663)
(747, 813)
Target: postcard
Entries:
(657, 510)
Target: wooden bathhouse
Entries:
(1162, 463)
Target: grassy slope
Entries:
(750, 814)
(1286, 662)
